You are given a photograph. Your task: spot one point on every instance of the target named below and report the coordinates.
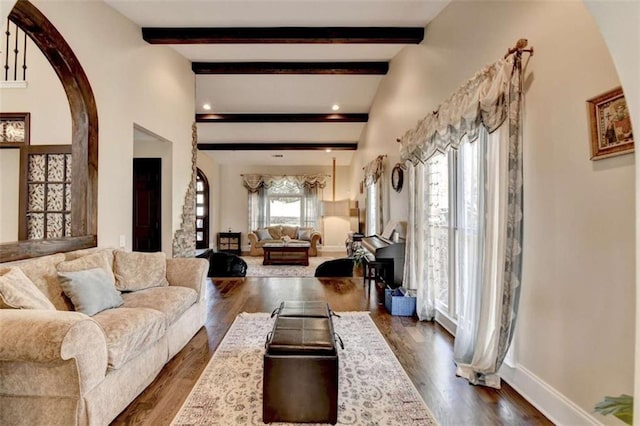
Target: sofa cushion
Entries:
(137, 271)
(90, 291)
(172, 301)
(275, 231)
(304, 234)
(263, 234)
(129, 331)
(290, 231)
(17, 291)
(98, 259)
(43, 273)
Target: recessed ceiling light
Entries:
(335, 107)
(206, 107)
(328, 150)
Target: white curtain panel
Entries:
(414, 270)
(485, 111)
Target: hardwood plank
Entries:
(428, 363)
(282, 118)
(280, 146)
(339, 68)
(284, 35)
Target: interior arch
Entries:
(84, 135)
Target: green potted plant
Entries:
(620, 406)
(358, 261)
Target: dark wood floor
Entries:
(424, 350)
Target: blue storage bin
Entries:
(398, 303)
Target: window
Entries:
(283, 200)
(286, 204)
(372, 209)
(202, 211)
(452, 213)
(438, 230)
(45, 204)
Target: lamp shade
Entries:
(335, 208)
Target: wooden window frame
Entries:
(204, 244)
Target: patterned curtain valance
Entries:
(255, 181)
(373, 171)
(484, 100)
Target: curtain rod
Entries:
(519, 48)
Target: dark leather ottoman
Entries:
(300, 382)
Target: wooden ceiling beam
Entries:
(279, 146)
(284, 35)
(347, 68)
(282, 118)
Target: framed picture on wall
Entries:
(611, 132)
(14, 129)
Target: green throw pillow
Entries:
(91, 291)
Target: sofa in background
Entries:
(61, 367)
(275, 233)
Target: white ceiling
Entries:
(282, 93)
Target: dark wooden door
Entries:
(147, 202)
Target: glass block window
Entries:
(202, 211)
(47, 205)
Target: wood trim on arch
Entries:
(84, 137)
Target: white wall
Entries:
(233, 199)
(133, 83)
(576, 325)
(149, 146)
(211, 170)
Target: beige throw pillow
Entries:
(90, 261)
(17, 291)
(137, 271)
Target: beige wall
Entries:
(619, 23)
(576, 324)
(9, 181)
(133, 83)
(233, 199)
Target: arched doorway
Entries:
(202, 211)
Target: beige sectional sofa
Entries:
(275, 233)
(60, 367)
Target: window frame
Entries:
(298, 196)
(204, 244)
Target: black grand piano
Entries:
(385, 254)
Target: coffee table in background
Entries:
(286, 253)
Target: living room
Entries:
(579, 243)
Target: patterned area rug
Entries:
(373, 387)
(255, 268)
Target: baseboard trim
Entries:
(554, 405)
(446, 322)
(326, 248)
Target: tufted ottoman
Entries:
(300, 382)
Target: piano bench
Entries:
(380, 271)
